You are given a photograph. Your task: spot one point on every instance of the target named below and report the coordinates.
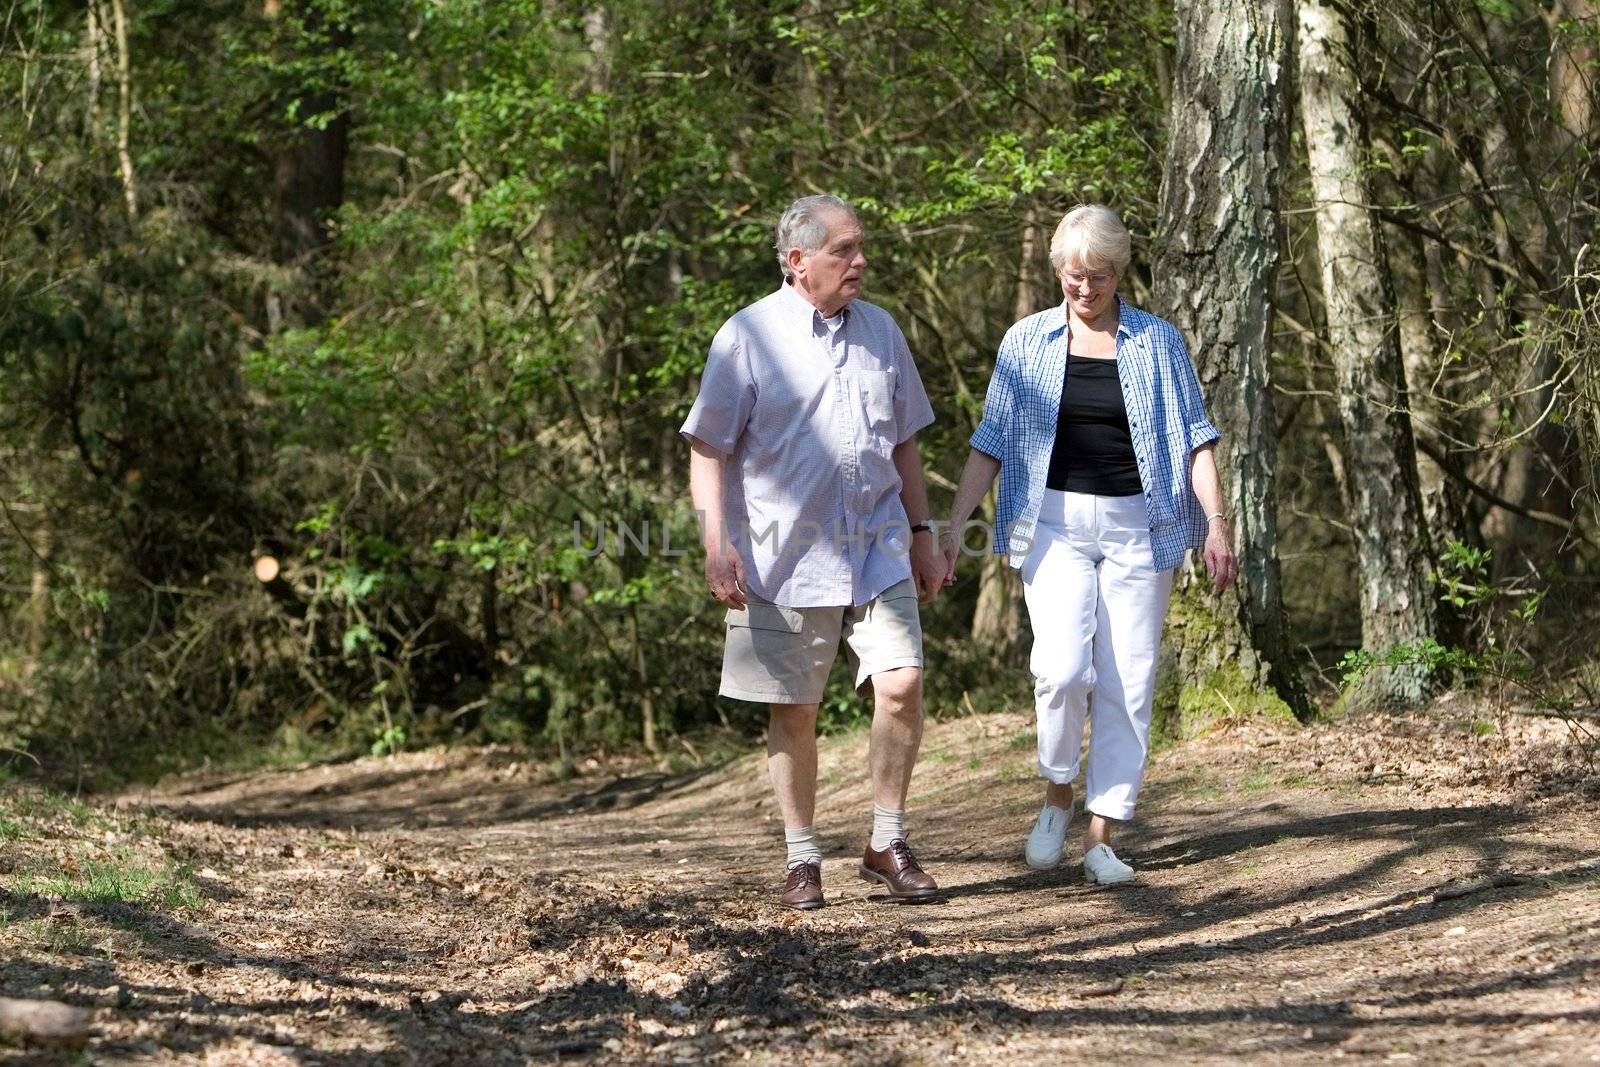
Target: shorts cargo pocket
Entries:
(901, 590)
(767, 617)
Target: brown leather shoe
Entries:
(803, 888)
(897, 868)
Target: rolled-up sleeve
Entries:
(1197, 427)
(727, 393)
(999, 406)
(912, 412)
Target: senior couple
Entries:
(816, 525)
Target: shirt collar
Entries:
(803, 309)
(1123, 329)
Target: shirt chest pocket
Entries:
(1038, 406)
(876, 390)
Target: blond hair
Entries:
(1092, 237)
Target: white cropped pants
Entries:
(1097, 605)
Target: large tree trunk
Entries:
(1215, 266)
(1392, 550)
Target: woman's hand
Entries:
(950, 545)
(1221, 564)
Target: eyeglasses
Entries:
(1096, 281)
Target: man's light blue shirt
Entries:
(1166, 420)
(809, 417)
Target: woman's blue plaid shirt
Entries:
(1166, 419)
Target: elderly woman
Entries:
(1095, 423)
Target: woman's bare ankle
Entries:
(1059, 796)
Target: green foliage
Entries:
(546, 211)
(842, 710)
(551, 210)
(1500, 619)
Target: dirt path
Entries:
(1419, 890)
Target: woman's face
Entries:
(1089, 292)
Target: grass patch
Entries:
(938, 755)
(122, 879)
(59, 938)
(21, 806)
(60, 850)
(1481, 728)
(1259, 780)
(1196, 784)
(1022, 739)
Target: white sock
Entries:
(887, 825)
(802, 842)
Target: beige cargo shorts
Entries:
(779, 655)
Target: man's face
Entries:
(831, 276)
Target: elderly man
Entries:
(805, 469)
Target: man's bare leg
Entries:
(896, 734)
(792, 761)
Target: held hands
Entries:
(1220, 562)
(725, 575)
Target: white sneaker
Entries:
(1101, 865)
(1048, 839)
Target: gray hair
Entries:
(1091, 236)
(805, 226)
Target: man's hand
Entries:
(1220, 562)
(725, 576)
(927, 566)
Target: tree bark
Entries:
(1216, 260)
(130, 190)
(1392, 550)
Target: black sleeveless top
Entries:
(1093, 452)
